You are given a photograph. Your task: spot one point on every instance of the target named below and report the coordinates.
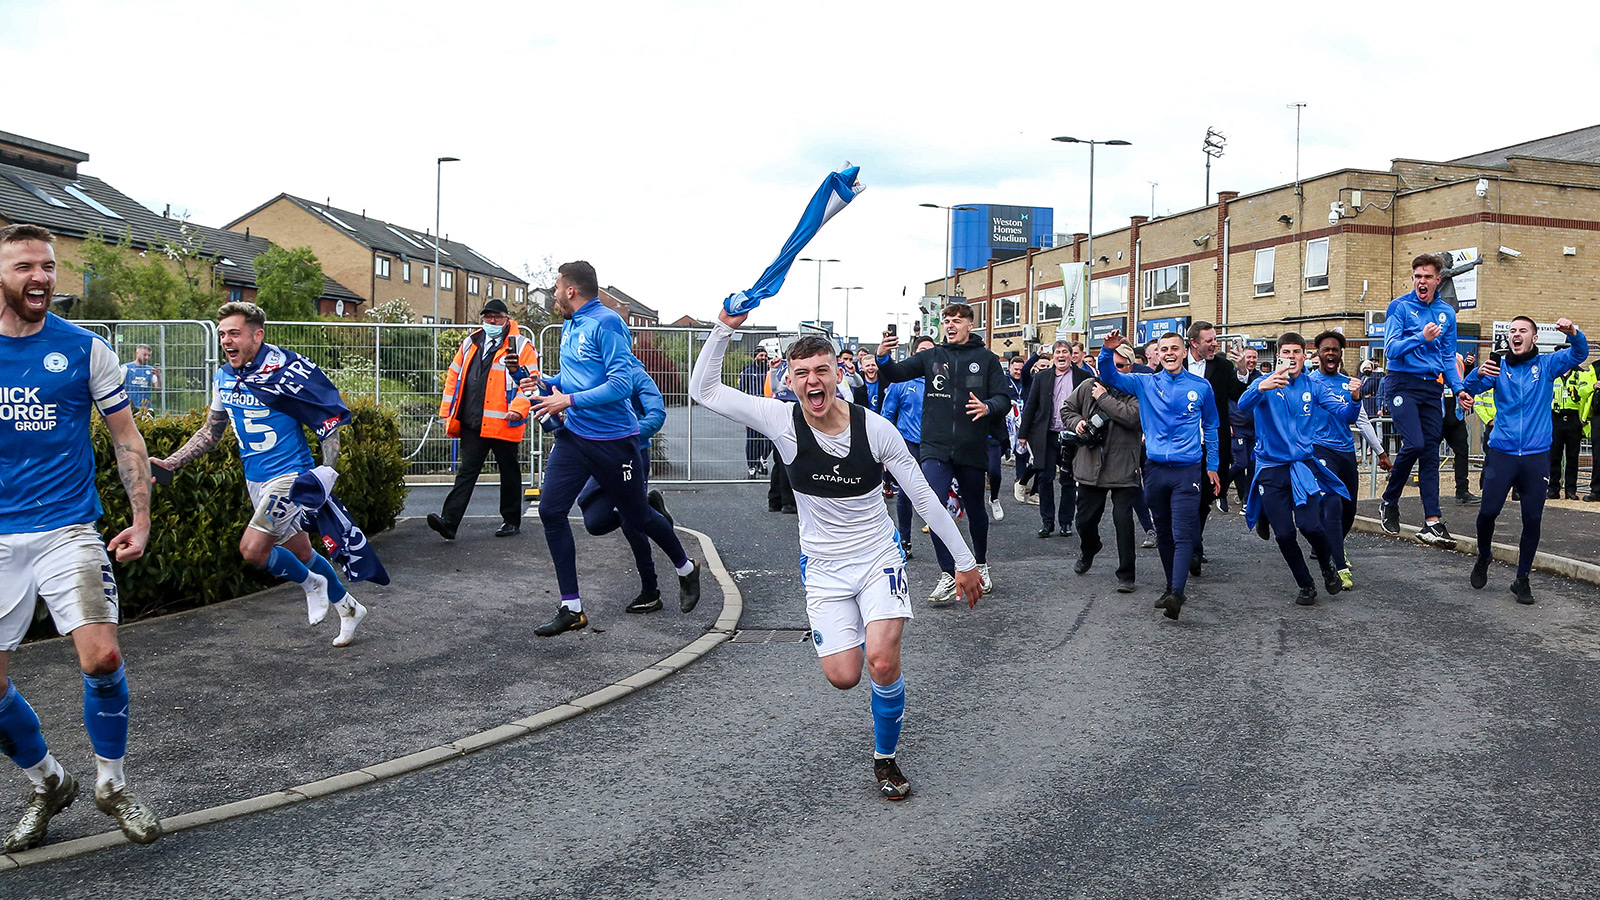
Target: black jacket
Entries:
(1034, 426)
(953, 371)
(1225, 386)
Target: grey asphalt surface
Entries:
(1413, 738)
(1568, 530)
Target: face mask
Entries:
(493, 332)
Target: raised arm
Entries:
(1115, 380)
(1575, 354)
(764, 414)
(913, 366)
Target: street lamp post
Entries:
(438, 195)
(1113, 143)
(819, 263)
(847, 290)
(949, 225)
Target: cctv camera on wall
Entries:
(1335, 212)
(1507, 251)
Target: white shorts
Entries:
(68, 567)
(843, 595)
(275, 514)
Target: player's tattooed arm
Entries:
(201, 442)
(133, 462)
(330, 448)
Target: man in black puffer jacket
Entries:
(966, 399)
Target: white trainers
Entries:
(996, 510)
(351, 612)
(316, 588)
(945, 590)
(1031, 500)
(1020, 491)
(984, 580)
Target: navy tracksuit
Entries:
(1412, 389)
(1518, 454)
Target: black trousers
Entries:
(1091, 506)
(1455, 435)
(475, 449)
(779, 493)
(756, 448)
(1566, 433)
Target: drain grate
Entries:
(771, 636)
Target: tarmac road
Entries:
(1411, 739)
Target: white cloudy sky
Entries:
(673, 144)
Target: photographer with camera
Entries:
(1109, 443)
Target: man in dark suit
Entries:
(1039, 432)
(1226, 386)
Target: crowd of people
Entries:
(1159, 432)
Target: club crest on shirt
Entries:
(1306, 396)
(55, 362)
(973, 368)
(1441, 317)
(1194, 395)
(1398, 400)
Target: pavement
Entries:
(1413, 738)
(1568, 527)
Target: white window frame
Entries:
(519, 295)
(1179, 279)
(503, 290)
(447, 279)
(1001, 304)
(380, 266)
(1045, 299)
(1265, 288)
(980, 314)
(472, 285)
(405, 270)
(427, 276)
(1317, 280)
(1097, 290)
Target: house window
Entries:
(1006, 311)
(381, 266)
(427, 320)
(519, 295)
(1108, 296)
(1265, 261)
(1051, 301)
(488, 290)
(472, 284)
(427, 275)
(503, 291)
(405, 270)
(980, 313)
(447, 279)
(1166, 286)
(1316, 264)
(236, 295)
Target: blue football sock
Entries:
(20, 737)
(105, 713)
(321, 566)
(287, 566)
(888, 711)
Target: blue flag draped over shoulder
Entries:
(295, 386)
(836, 192)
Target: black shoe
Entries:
(1523, 593)
(1516, 495)
(1435, 534)
(659, 504)
(891, 784)
(1194, 567)
(1161, 601)
(1203, 558)
(1591, 498)
(773, 507)
(1174, 604)
(445, 529)
(565, 620)
(1263, 528)
(1330, 578)
(1480, 572)
(1391, 518)
(1572, 495)
(1552, 494)
(1066, 531)
(789, 510)
(689, 589)
(1125, 586)
(1308, 595)
(646, 602)
(1047, 530)
(1467, 498)
(507, 529)
(905, 549)
(1083, 564)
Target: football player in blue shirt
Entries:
(273, 451)
(140, 378)
(1179, 417)
(1518, 452)
(52, 373)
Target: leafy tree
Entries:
(170, 281)
(288, 283)
(396, 312)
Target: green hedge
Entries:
(196, 521)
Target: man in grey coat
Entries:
(1107, 464)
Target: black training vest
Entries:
(818, 473)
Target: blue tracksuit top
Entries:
(1286, 418)
(647, 403)
(1406, 351)
(902, 405)
(1332, 429)
(1522, 395)
(1177, 412)
(596, 369)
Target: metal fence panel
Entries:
(184, 352)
